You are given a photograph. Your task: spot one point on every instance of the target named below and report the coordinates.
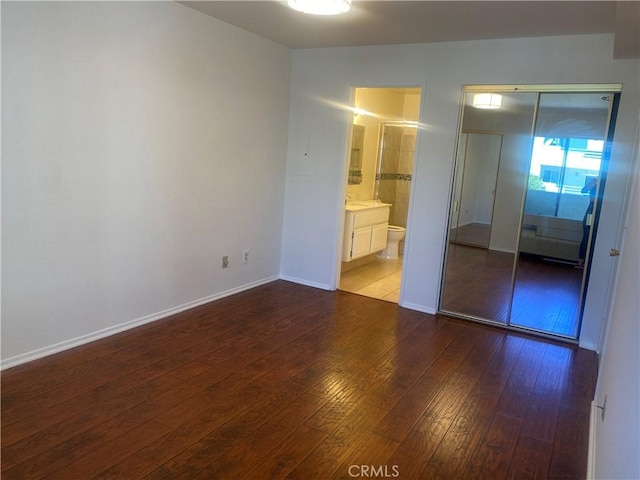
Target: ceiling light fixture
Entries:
(489, 101)
(320, 7)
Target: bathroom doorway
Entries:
(381, 163)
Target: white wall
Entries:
(480, 182)
(141, 142)
(617, 438)
(315, 183)
(514, 122)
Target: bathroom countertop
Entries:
(364, 204)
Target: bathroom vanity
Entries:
(365, 228)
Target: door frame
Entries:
(344, 186)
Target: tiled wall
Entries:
(394, 178)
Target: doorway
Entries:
(534, 273)
(380, 170)
(477, 164)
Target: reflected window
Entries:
(560, 169)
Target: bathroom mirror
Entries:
(355, 159)
(528, 179)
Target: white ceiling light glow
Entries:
(320, 7)
(489, 101)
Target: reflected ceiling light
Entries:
(490, 101)
(320, 7)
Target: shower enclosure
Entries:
(394, 168)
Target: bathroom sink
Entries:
(362, 204)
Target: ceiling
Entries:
(382, 22)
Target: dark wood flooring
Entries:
(287, 381)
(546, 295)
(477, 234)
(477, 282)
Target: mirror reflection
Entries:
(355, 157)
(491, 167)
(527, 183)
(562, 190)
(475, 188)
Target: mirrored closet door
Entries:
(475, 188)
(530, 170)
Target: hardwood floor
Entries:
(546, 295)
(478, 234)
(287, 381)
(558, 285)
(478, 282)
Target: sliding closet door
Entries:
(491, 168)
(475, 189)
(563, 190)
(533, 272)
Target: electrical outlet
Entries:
(245, 256)
(225, 261)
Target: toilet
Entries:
(394, 235)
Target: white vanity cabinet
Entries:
(365, 229)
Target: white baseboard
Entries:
(418, 308)
(106, 332)
(503, 250)
(410, 306)
(593, 422)
(307, 283)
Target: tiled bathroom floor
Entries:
(378, 279)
